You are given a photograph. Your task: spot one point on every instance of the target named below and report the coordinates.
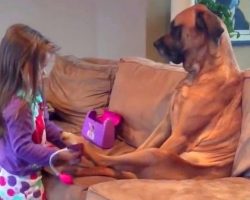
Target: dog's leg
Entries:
(171, 166)
(103, 171)
(128, 161)
(71, 138)
(154, 163)
(159, 135)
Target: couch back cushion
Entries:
(242, 162)
(141, 94)
(76, 86)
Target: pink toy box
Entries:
(100, 130)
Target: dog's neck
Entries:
(208, 57)
(194, 61)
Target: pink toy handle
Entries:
(114, 117)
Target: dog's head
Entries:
(190, 30)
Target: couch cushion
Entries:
(242, 161)
(141, 94)
(226, 189)
(76, 86)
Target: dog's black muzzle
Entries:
(174, 54)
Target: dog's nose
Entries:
(161, 47)
(159, 44)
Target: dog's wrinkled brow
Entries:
(175, 31)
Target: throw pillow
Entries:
(76, 86)
(141, 94)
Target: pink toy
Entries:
(101, 130)
(66, 178)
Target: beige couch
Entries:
(140, 90)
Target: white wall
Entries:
(121, 27)
(100, 28)
(70, 24)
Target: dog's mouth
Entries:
(175, 57)
(173, 54)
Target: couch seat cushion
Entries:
(218, 189)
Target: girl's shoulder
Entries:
(15, 105)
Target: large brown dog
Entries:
(199, 136)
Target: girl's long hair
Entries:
(22, 55)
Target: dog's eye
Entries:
(176, 31)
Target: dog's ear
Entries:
(208, 23)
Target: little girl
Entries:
(24, 125)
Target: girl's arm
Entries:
(20, 128)
(53, 132)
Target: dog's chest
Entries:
(180, 95)
(178, 99)
(186, 99)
